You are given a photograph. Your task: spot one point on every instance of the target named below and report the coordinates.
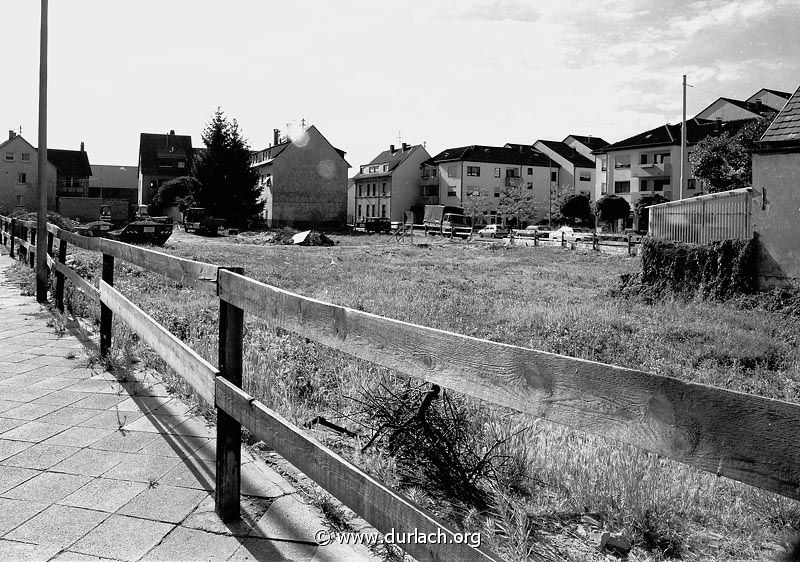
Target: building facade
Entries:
(162, 157)
(576, 170)
(389, 186)
(19, 173)
(303, 181)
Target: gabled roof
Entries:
(514, 154)
(73, 163)
(153, 146)
(594, 143)
(113, 176)
(568, 153)
(784, 131)
(668, 135)
(786, 95)
(392, 158)
(753, 107)
(272, 152)
(15, 137)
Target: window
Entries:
(451, 191)
(181, 164)
(386, 167)
(383, 211)
(383, 188)
(451, 171)
(530, 185)
(473, 171)
(661, 158)
(21, 177)
(373, 169)
(622, 187)
(497, 194)
(604, 164)
(692, 183)
(585, 176)
(26, 156)
(622, 162)
(554, 175)
(359, 194)
(643, 158)
(512, 173)
(660, 184)
(9, 156)
(603, 188)
(373, 211)
(363, 168)
(497, 172)
(20, 200)
(530, 171)
(434, 172)
(359, 211)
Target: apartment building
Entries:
(162, 157)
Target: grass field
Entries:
(545, 477)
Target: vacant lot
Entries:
(545, 477)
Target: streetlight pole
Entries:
(41, 180)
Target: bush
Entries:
(719, 270)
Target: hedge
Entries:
(719, 270)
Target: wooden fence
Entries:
(739, 436)
(709, 218)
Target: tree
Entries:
(611, 208)
(516, 201)
(556, 197)
(226, 182)
(476, 203)
(641, 212)
(724, 162)
(577, 207)
(178, 190)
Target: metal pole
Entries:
(41, 180)
(683, 143)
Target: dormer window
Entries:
(386, 167)
(373, 169)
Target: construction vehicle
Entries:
(200, 221)
(434, 215)
(143, 230)
(454, 224)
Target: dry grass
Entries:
(545, 298)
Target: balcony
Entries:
(513, 182)
(651, 170)
(428, 181)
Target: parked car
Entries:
(493, 231)
(94, 228)
(378, 224)
(533, 231)
(571, 234)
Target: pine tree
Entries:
(226, 185)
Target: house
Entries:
(586, 145)
(303, 181)
(456, 174)
(577, 170)
(776, 193)
(389, 185)
(761, 104)
(162, 157)
(19, 172)
(72, 171)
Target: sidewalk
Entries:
(96, 468)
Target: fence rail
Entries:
(708, 218)
(740, 436)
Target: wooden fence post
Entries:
(229, 431)
(536, 239)
(62, 257)
(594, 241)
(49, 249)
(563, 240)
(630, 247)
(13, 233)
(106, 316)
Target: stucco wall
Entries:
(10, 189)
(777, 220)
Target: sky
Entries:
(369, 74)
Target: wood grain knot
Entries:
(340, 323)
(427, 361)
(537, 381)
(660, 410)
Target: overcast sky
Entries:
(448, 73)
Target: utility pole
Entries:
(683, 143)
(41, 180)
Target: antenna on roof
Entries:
(303, 123)
(399, 138)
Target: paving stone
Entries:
(10, 448)
(190, 544)
(30, 411)
(69, 556)
(140, 467)
(179, 446)
(24, 394)
(99, 401)
(47, 487)
(264, 549)
(122, 538)
(7, 424)
(62, 398)
(79, 436)
(57, 525)
(15, 512)
(144, 404)
(68, 415)
(111, 419)
(205, 518)
(164, 503)
(56, 383)
(336, 552)
(34, 431)
(40, 456)
(89, 462)
(290, 519)
(125, 441)
(158, 424)
(104, 494)
(257, 480)
(192, 473)
(26, 552)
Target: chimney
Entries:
(405, 146)
(391, 148)
(11, 134)
(82, 150)
(276, 136)
(718, 125)
(759, 106)
(172, 132)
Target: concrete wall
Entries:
(87, 209)
(309, 184)
(11, 189)
(776, 219)
(406, 190)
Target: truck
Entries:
(434, 215)
(454, 224)
(200, 221)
